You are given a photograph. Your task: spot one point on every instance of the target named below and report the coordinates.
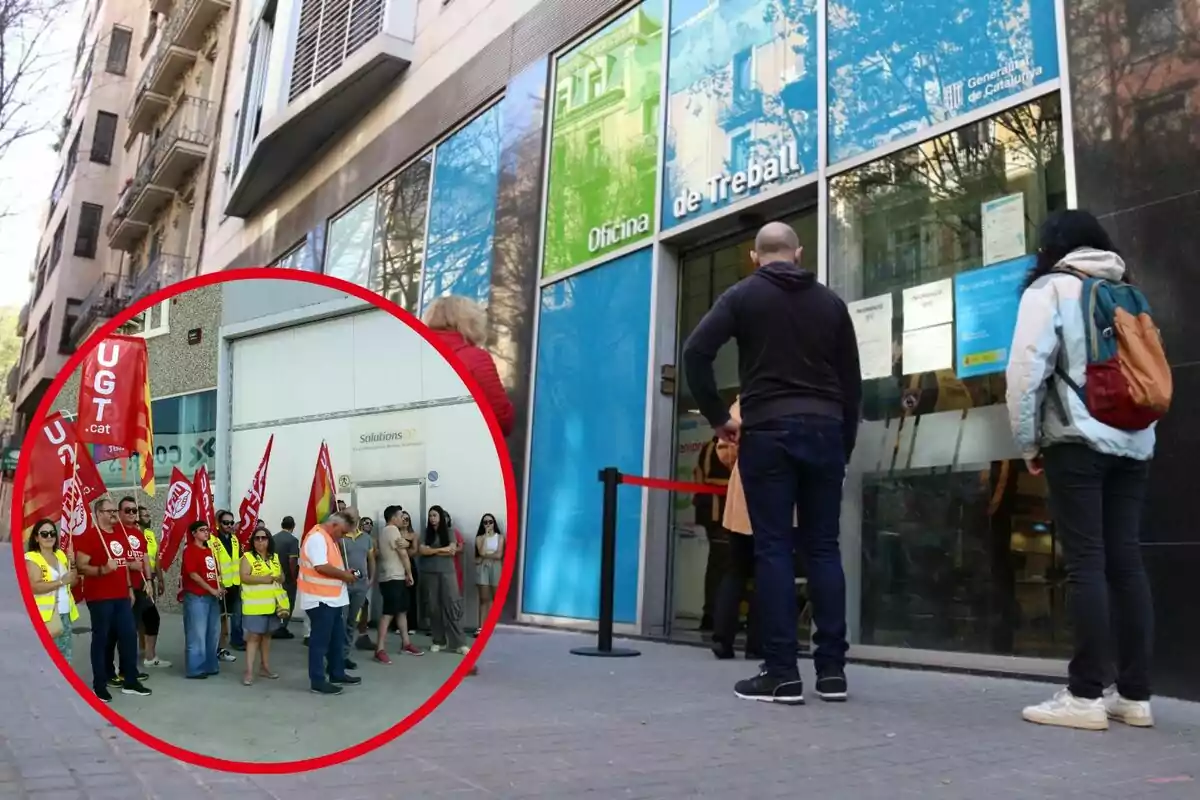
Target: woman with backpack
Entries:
(1087, 380)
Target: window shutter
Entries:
(330, 31)
(118, 50)
(87, 235)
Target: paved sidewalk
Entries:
(538, 722)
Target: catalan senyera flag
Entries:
(144, 430)
(322, 499)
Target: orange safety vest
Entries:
(313, 583)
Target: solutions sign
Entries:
(896, 69)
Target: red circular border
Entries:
(362, 748)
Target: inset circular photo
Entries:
(263, 517)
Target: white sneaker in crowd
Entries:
(156, 663)
(1068, 711)
(462, 651)
(436, 648)
(1132, 712)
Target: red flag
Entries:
(202, 499)
(55, 457)
(321, 499)
(112, 389)
(252, 502)
(81, 488)
(179, 513)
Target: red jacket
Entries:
(479, 363)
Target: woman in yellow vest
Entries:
(52, 578)
(264, 602)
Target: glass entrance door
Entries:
(697, 565)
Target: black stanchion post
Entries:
(611, 479)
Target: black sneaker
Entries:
(769, 689)
(326, 688)
(103, 694)
(200, 677)
(350, 664)
(283, 633)
(346, 680)
(136, 688)
(722, 651)
(116, 683)
(831, 685)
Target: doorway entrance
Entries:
(696, 566)
(372, 498)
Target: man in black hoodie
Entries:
(801, 392)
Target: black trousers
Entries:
(1097, 501)
(145, 619)
(714, 568)
(734, 589)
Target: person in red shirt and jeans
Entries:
(202, 592)
(102, 555)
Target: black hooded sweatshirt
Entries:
(797, 353)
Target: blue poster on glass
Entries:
(985, 304)
(897, 67)
(741, 105)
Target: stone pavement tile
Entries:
(54, 794)
(51, 783)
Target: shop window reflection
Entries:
(350, 242)
(399, 235)
(949, 544)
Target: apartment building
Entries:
(72, 255)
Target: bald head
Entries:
(776, 241)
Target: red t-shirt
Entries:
(115, 585)
(201, 561)
(135, 551)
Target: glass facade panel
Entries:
(351, 242)
(462, 215)
(603, 157)
(897, 67)
(741, 101)
(947, 539)
(400, 235)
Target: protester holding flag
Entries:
(202, 593)
(264, 602)
(101, 557)
(145, 612)
(52, 578)
(227, 549)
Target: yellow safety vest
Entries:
(151, 548)
(261, 598)
(229, 563)
(46, 602)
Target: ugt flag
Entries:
(178, 514)
(55, 457)
(322, 497)
(111, 392)
(252, 502)
(202, 499)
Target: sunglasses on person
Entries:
(48, 533)
(129, 510)
(261, 538)
(489, 522)
(228, 521)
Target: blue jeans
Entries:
(113, 619)
(796, 462)
(201, 632)
(233, 606)
(326, 644)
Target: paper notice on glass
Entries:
(1003, 228)
(928, 305)
(873, 328)
(929, 349)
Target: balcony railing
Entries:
(182, 144)
(23, 320)
(163, 271)
(105, 300)
(168, 63)
(12, 383)
(744, 106)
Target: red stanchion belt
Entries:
(685, 487)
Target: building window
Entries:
(86, 79)
(104, 136)
(154, 321)
(70, 316)
(1152, 27)
(595, 81)
(87, 234)
(329, 32)
(249, 116)
(739, 151)
(43, 333)
(119, 41)
(958, 550)
(151, 32)
(184, 436)
(56, 246)
(400, 235)
(743, 74)
(73, 155)
(351, 242)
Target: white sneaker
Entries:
(226, 656)
(156, 663)
(436, 648)
(462, 651)
(1068, 711)
(1132, 712)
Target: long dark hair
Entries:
(32, 545)
(495, 525)
(439, 536)
(1064, 232)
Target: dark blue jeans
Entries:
(326, 644)
(796, 463)
(113, 619)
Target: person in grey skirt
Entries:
(489, 564)
(439, 584)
